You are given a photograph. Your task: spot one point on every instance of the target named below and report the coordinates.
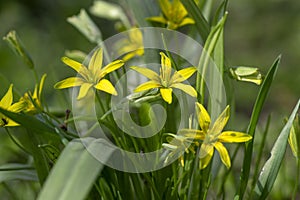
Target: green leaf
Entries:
(17, 46)
(75, 170)
(28, 121)
(36, 130)
(220, 12)
(200, 21)
(260, 100)
(15, 171)
(270, 170)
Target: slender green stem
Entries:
(295, 190)
(168, 52)
(15, 141)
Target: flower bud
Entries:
(17, 46)
(247, 74)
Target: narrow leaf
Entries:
(261, 98)
(35, 128)
(76, 170)
(15, 171)
(27, 121)
(270, 170)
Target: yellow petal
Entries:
(7, 99)
(18, 106)
(255, 80)
(165, 61)
(146, 72)
(185, 88)
(221, 122)
(147, 86)
(203, 117)
(165, 6)
(223, 154)
(183, 74)
(11, 123)
(158, 19)
(192, 133)
(85, 87)
(111, 67)
(72, 63)
(69, 82)
(166, 94)
(233, 136)
(96, 61)
(166, 69)
(205, 149)
(186, 21)
(106, 86)
(209, 151)
(179, 8)
(41, 85)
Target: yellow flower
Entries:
(174, 14)
(91, 76)
(32, 102)
(6, 103)
(213, 137)
(133, 46)
(165, 82)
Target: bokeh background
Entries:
(256, 33)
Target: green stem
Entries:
(15, 141)
(295, 190)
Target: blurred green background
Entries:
(256, 33)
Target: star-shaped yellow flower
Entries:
(32, 102)
(91, 76)
(133, 46)
(213, 137)
(165, 81)
(6, 103)
(174, 14)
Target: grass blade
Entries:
(14, 171)
(261, 98)
(75, 171)
(270, 170)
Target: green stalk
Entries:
(295, 190)
(16, 142)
